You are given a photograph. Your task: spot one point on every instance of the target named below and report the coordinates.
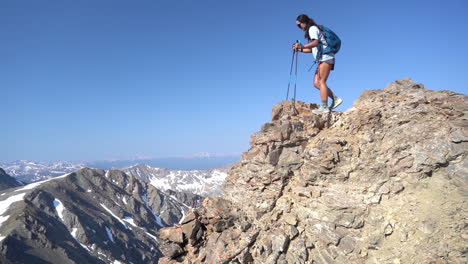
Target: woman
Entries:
(326, 62)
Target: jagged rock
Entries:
(280, 242)
(170, 250)
(172, 234)
(190, 230)
(384, 182)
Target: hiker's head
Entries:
(304, 22)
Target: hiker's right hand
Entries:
(296, 46)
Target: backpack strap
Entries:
(320, 45)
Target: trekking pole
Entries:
(295, 83)
(293, 100)
(290, 74)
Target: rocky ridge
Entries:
(384, 182)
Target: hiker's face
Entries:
(300, 25)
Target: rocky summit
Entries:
(384, 182)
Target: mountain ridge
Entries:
(32, 171)
(6, 181)
(384, 182)
(88, 216)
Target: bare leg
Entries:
(320, 81)
(316, 85)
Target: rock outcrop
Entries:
(384, 182)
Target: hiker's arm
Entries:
(299, 47)
(307, 48)
(312, 44)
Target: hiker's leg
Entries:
(317, 83)
(322, 77)
(323, 72)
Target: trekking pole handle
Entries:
(299, 42)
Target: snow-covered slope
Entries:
(201, 182)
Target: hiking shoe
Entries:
(336, 102)
(321, 110)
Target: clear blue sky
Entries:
(86, 80)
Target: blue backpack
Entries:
(333, 42)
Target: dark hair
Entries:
(308, 21)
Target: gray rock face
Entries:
(89, 216)
(6, 181)
(207, 183)
(384, 182)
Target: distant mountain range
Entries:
(87, 216)
(201, 161)
(201, 182)
(31, 171)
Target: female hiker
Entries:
(325, 64)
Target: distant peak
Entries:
(208, 155)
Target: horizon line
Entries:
(143, 157)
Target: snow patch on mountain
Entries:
(115, 216)
(109, 234)
(200, 182)
(130, 220)
(60, 208)
(5, 205)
